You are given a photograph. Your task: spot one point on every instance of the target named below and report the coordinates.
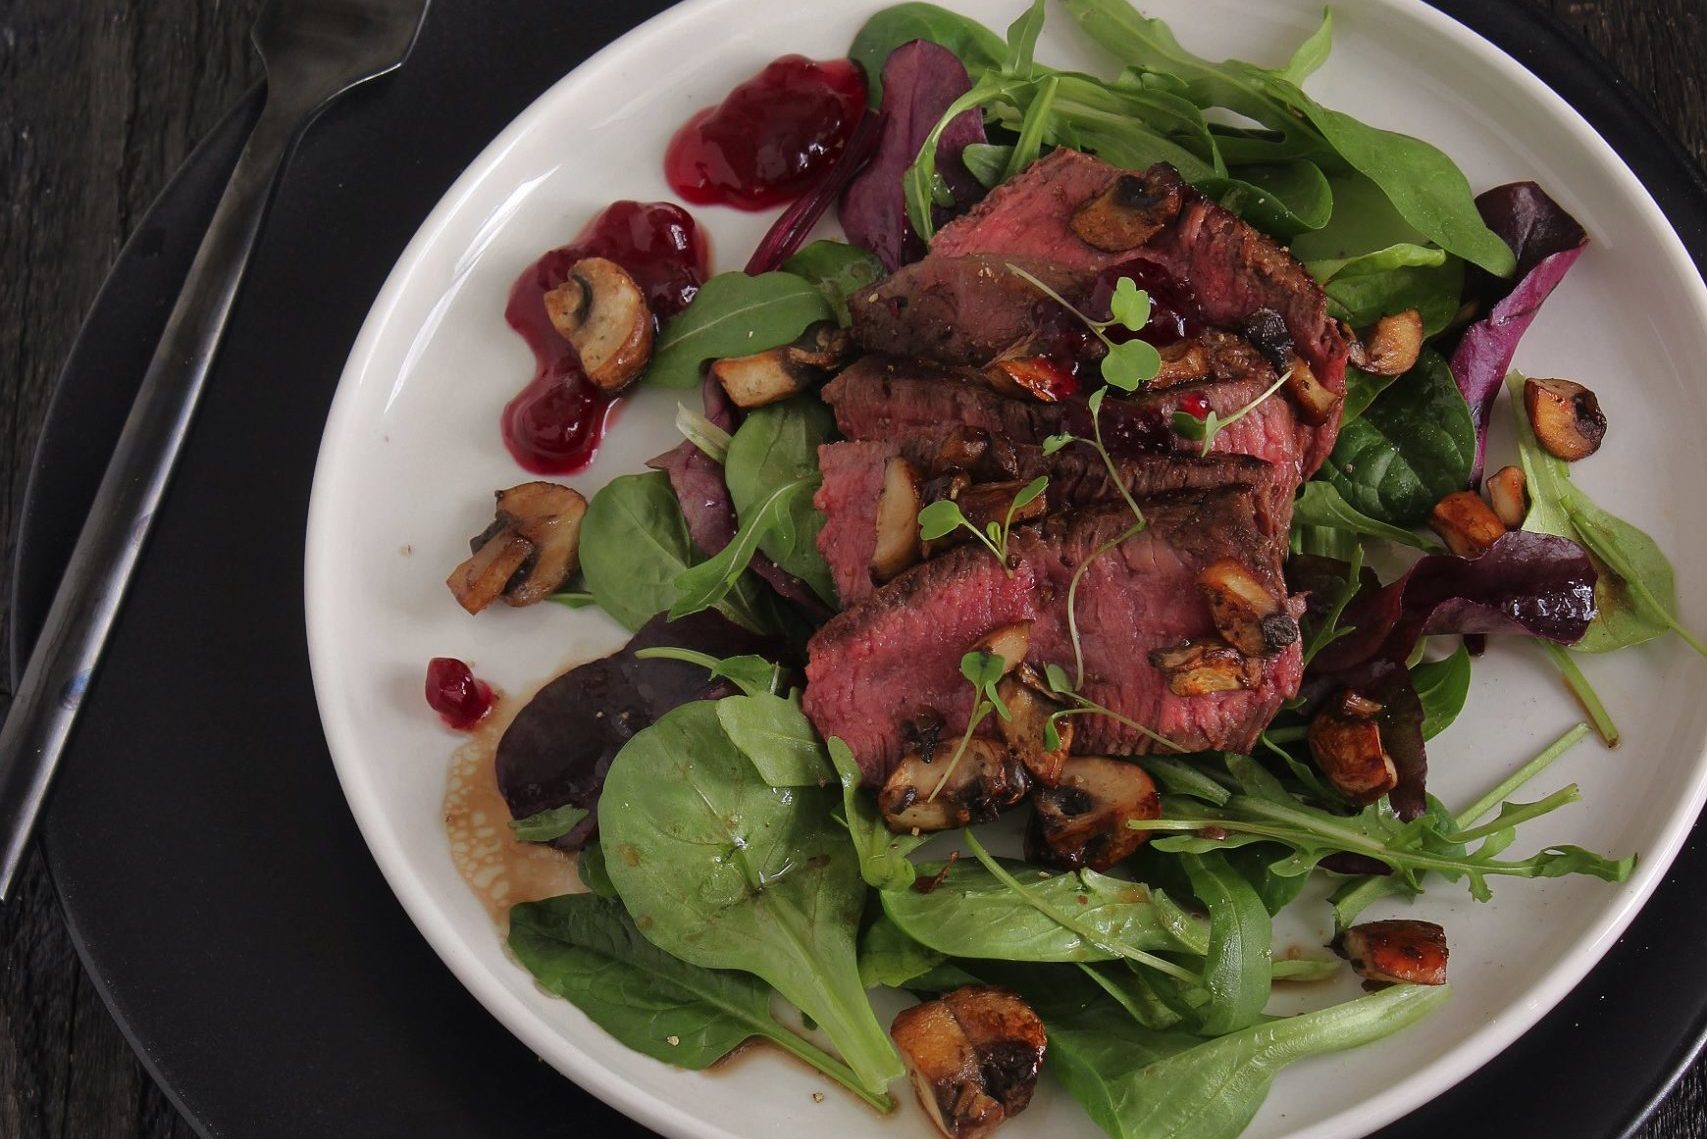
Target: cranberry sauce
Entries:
(770, 137)
(554, 426)
(1174, 311)
(460, 699)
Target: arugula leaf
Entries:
(1636, 596)
(776, 445)
(635, 544)
(1312, 53)
(708, 583)
(777, 737)
(734, 315)
(976, 46)
(1412, 447)
(838, 270)
(724, 871)
(1022, 40)
(753, 675)
(1321, 504)
(1236, 968)
(547, 825)
(883, 861)
(1443, 686)
(586, 949)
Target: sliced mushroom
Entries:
(1250, 615)
(984, 503)
(602, 312)
(777, 373)
(1026, 728)
(1405, 952)
(897, 520)
(1345, 741)
(1010, 642)
(960, 449)
(1466, 524)
(1197, 668)
(1127, 214)
(1393, 347)
(1566, 416)
(986, 781)
(973, 1056)
(1316, 404)
(528, 552)
(1082, 820)
(1508, 495)
(1031, 377)
(1182, 363)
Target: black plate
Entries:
(213, 878)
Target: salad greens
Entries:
(740, 857)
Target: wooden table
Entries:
(101, 100)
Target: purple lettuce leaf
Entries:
(920, 81)
(1547, 242)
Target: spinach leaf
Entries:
(708, 583)
(1323, 505)
(888, 956)
(1636, 595)
(883, 861)
(1442, 686)
(1364, 289)
(1312, 53)
(1283, 198)
(987, 162)
(838, 270)
(777, 737)
(734, 315)
(635, 544)
(775, 446)
(547, 825)
(590, 869)
(586, 949)
(1140, 1084)
(1361, 388)
(974, 915)
(726, 872)
(1236, 968)
(1412, 447)
(975, 45)
(1255, 863)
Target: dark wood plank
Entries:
(102, 100)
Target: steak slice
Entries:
(1143, 596)
(884, 675)
(886, 397)
(1228, 268)
(966, 310)
(853, 479)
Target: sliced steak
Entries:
(884, 675)
(886, 397)
(1229, 269)
(967, 310)
(853, 482)
(1143, 596)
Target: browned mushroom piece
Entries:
(1026, 728)
(1182, 363)
(1315, 402)
(987, 780)
(1030, 377)
(602, 312)
(1401, 952)
(1082, 820)
(1250, 614)
(1009, 642)
(528, 552)
(973, 1056)
(897, 520)
(1566, 416)
(1345, 741)
(1466, 524)
(960, 449)
(1393, 345)
(775, 374)
(1197, 668)
(1508, 494)
(984, 503)
(1127, 214)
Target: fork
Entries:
(312, 51)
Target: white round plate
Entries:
(412, 453)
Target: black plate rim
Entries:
(1501, 24)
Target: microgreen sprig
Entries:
(1129, 363)
(1206, 429)
(1062, 685)
(944, 517)
(1055, 443)
(984, 671)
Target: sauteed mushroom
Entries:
(1404, 952)
(1566, 416)
(1082, 820)
(602, 312)
(973, 1056)
(528, 552)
